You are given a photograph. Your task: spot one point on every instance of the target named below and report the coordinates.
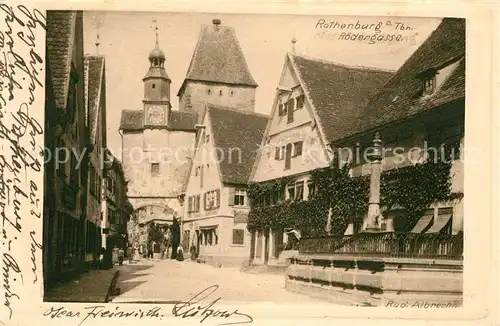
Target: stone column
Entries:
(371, 224)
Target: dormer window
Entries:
(428, 85)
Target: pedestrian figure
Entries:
(168, 243)
(121, 255)
(130, 253)
(115, 255)
(180, 253)
(162, 249)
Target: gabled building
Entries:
(421, 108)
(315, 101)
(66, 135)
(95, 100)
(216, 207)
(218, 73)
(157, 149)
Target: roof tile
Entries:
(60, 27)
(238, 132)
(337, 91)
(399, 99)
(218, 58)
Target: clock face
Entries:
(156, 115)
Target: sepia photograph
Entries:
(320, 161)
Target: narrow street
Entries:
(170, 281)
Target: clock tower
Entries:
(156, 90)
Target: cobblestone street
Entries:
(172, 281)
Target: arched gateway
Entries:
(143, 216)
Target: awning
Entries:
(441, 221)
(208, 227)
(423, 222)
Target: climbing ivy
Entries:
(412, 188)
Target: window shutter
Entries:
(277, 154)
(230, 200)
(205, 201)
(217, 196)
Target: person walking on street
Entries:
(121, 255)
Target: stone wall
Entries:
(378, 282)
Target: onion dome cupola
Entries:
(156, 82)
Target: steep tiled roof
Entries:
(400, 98)
(233, 130)
(94, 69)
(337, 91)
(60, 30)
(133, 120)
(182, 120)
(218, 58)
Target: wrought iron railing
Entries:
(387, 244)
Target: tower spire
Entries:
(156, 31)
(294, 40)
(97, 43)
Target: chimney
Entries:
(216, 22)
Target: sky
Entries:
(127, 37)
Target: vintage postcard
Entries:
(225, 164)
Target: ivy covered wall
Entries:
(411, 188)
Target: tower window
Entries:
(220, 92)
(155, 168)
(153, 86)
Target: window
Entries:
(71, 106)
(194, 204)
(239, 197)
(291, 192)
(209, 91)
(212, 199)
(429, 85)
(300, 102)
(277, 155)
(207, 138)
(231, 92)
(74, 172)
(299, 191)
(290, 112)
(92, 181)
(155, 169)
(297, 149)
(220, 92)
(238, 236)
(153, 86)
(311, 189)
(197, 171)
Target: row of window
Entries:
(231, 92)
(287, 107)
(293, 192)
(209, 237)
(211, 200)
(290, 150)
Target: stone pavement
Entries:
(171, 281)
(90, 286)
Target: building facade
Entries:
(118, 207)
(67, 138)
(313, 100)
(216, 209)
(218, 73)
(95, 98)
(157, 149)
(427, 122)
